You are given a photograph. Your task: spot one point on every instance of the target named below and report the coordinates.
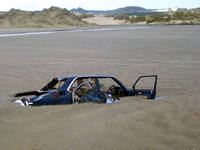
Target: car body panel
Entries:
(84, 88)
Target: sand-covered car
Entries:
(85, 88)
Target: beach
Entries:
(28, 62)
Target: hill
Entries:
(130, 10)
(81, 10)
(53, 16)
(2, 12)
(196, 9)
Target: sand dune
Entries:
(102, 20)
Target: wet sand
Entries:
(173, 122)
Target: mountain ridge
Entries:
(130, 10)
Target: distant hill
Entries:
(2, 12)
(81, 10)
(130, 10)
(53, 16)
(196, 9)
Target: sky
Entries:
(6, 5)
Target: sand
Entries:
(172, 122)
(102, 20)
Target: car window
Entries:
(105, 83)
(77, 82)
(59, 84)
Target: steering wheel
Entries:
(111, 90)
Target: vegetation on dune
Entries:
(53, 16)
(178, 17)
(85, 15)
(137, 19)
(123, 16)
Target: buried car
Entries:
(85, 88)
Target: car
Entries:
(85, 88)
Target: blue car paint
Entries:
(49, 99)
(63, 96)
(96, 95)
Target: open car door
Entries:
(149, 92)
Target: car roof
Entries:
(60, 78)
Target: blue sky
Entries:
(96, 4)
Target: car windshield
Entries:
(54, 84)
